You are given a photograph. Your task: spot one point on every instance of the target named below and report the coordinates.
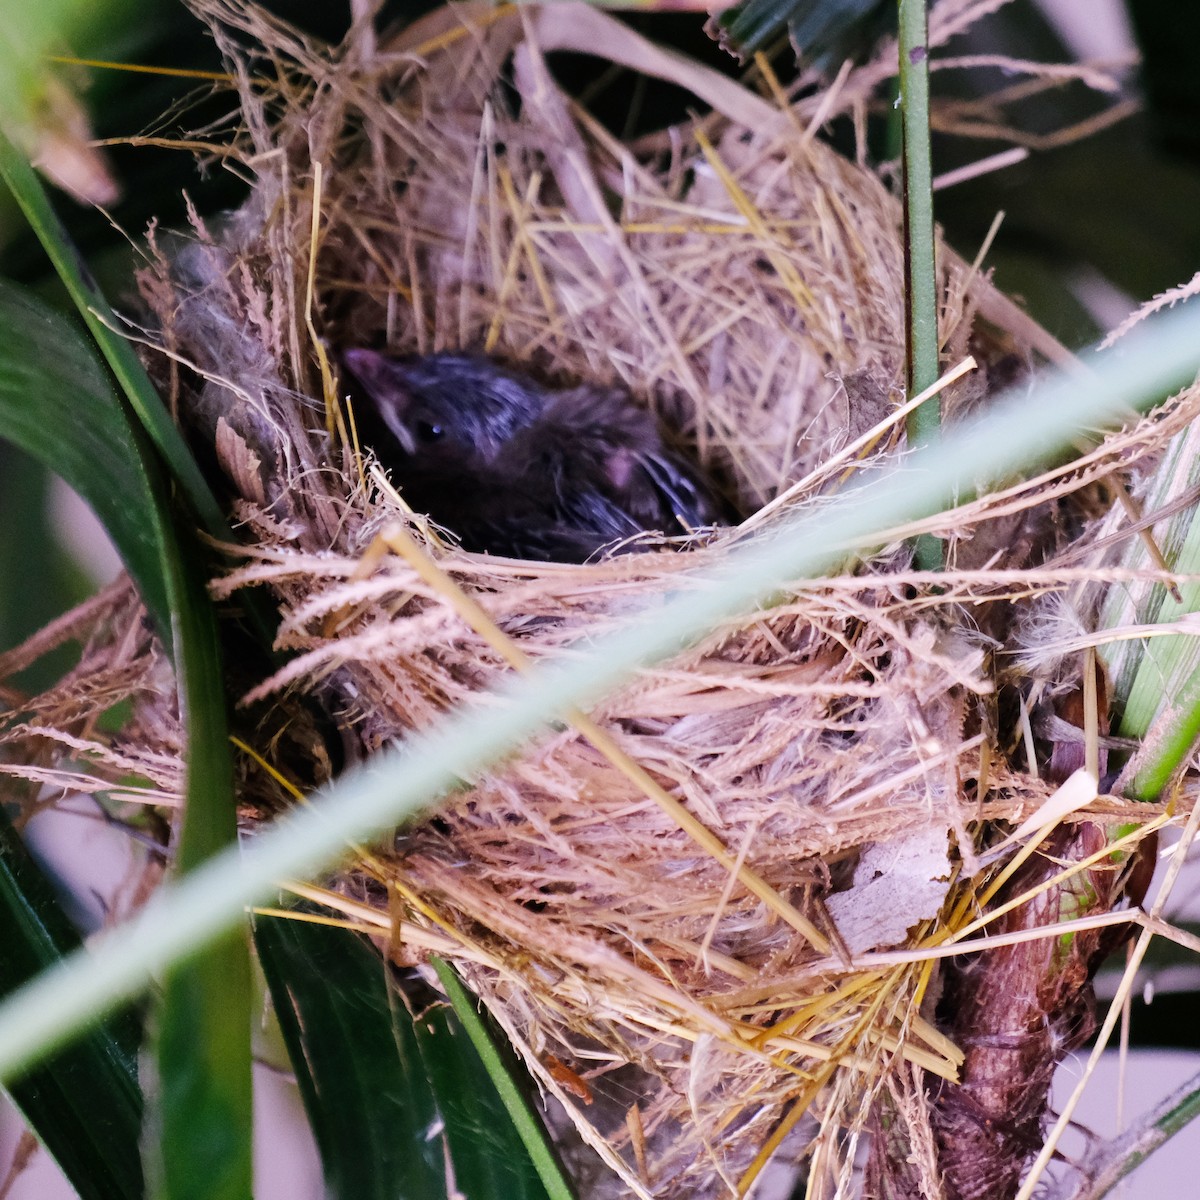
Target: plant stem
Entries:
(1168, 745)
(921, 330)
(1106, 1165)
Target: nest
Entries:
(737, 276)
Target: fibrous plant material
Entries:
(672, 905)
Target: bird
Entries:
(516, 468)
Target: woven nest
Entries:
(745, 282)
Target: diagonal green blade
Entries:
(495, 1069)
(394, 1097)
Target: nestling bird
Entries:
(519, 469)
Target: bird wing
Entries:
(681, 492)
(603, 453)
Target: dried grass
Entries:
(441, 190)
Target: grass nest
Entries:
(680, 910)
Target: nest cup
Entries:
(440, 191)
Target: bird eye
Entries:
(429, 432)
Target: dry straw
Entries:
(659, 902)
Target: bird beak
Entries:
(383, 385)
(369, 367)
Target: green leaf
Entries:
(103, 323)
(1156, 680)
(202, 1119)
(30, 31)
(85, 1102)
(821, 30)
(41, 578)
(496, 1059)
(130, 375)
(57, 404)
(367, 1102)
(1148, 672)
(204, 1115)
(392, 1095)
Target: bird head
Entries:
(443, 407)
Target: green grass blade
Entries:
(1156, 681)
(1017, 432)
(41, 577)
(367, 1102)
(204, 1113)
(57, 404)
(85, 1103)
(103, 323)
(200, 1148)
(1169, 743)
(920, 270)
(492, 1057)
(376, 1079)
(1145, 672)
